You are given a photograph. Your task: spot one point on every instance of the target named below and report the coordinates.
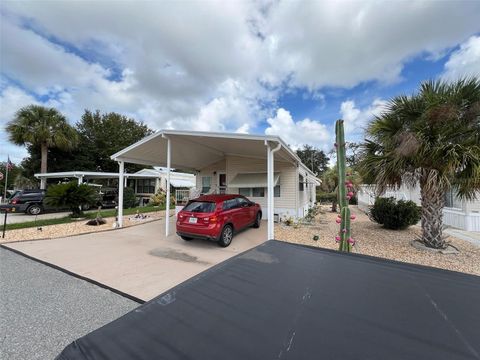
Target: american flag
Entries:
(9, 164)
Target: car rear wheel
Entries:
(258, 218)
(34, 209)
(186, 238)
(226, 236)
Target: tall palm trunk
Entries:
(43, 164)
(433, 201)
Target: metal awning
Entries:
(251, 180)
(178, 183)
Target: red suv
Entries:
(217, 217)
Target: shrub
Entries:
(72, 196)
(129, 198)
(159, 198)
(394, 214)
(323, 198)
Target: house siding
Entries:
(208, 171)
(237, 164)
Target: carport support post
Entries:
(121, 170)
(167, 206)
(270, 185)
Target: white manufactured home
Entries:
(457, 213)
(263, 168)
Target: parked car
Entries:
(217, 217)
(28, 201)
(32, 201)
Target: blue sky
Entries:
(277, 67)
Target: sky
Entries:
(288, 68)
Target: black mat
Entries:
(284, 301)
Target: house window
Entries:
(253, 192)
(146, 186)
(452, 201)
(300, 183)
(245, 191)
(206, 184)
(276, 191)
(258, 192)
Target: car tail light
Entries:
(210, 220)
(13, 202)
(180, 216)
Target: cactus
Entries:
(344, 192)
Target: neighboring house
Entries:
(457, 213)
(262, 167)
(145, 182)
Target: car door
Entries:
(229, 213)
(245, 210)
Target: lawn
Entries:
(90, 215)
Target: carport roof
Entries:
(195, 149)
(91, 175)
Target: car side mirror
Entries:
(245, 205)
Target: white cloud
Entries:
(298, 133)
(465, 61)
(215, 65)
(355, 119)
(11, 99)
(243, 129)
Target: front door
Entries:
(222, 183)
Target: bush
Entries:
(72, 196)
(129, 198)
(323, 198)
(394, 214)
(159, 198)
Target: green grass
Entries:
(68, 219)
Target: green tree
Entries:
(313, 158)
(431, 138)
(72, 196)
(102, 135)
(44, 128)
(12, 174)
(330, 182)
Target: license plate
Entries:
(192, 220)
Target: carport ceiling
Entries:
(195, 150)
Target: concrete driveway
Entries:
(139, 260)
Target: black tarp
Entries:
(285, 301)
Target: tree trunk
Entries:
(43, 164)
(334, 206)
(433, 202)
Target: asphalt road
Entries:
(42, 309)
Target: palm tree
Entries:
(330, 182)
(42, 127)
(431, 138)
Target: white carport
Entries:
(192, 150)
(85, 175)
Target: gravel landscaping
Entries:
(372, 239)
(75, 228)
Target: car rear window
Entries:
(200, 207)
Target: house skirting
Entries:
(461, 220)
